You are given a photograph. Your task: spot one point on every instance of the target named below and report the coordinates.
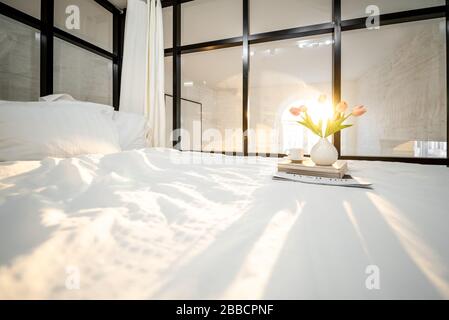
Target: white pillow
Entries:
(132, 130)
(65, 104)
(35, 130)
(89, 106)
(57, 97)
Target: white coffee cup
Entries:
(296, 154)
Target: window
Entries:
(191, 115)
(168, 69)
(19, 61)
(95, 22)
(285, 74)
(31, 7)
(269, 15)
(168, 26)
(206, 20)
(357, 8)
(214, 80)
(82, 64)
(84, 75)
(399, 73)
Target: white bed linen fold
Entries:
(149, 224)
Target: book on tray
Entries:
(346, 181)
(306, 171)
(308, 168)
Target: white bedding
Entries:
(149, 224)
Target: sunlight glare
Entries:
(320, 110)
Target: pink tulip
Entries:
(341, 107)
(297, 111)
(358, 111)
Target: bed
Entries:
(163, 224)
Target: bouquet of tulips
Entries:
(334, 125)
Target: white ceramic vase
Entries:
(324, 153)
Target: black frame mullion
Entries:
(336, 64)
(108, 6)
(118, 26)
(47, 40)
(177, 74)
(433, 161)
(211, 45)
(70, 38)
(19, 16)
(169, 3)
(117, 59)
(245, 84)
(447, 80)
(292, 33)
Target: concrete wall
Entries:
(19, 61)
(406, 96)
(84, 75)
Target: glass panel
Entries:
(84, 75)
(190, 122)
(96, 25)
(398, 73)
(214, 80)
(269, 15)
(19, 61)
(168, 26)
(31, 7)
(357, 8)
(168, 67)
(168, 99)
(284, 74)
(206, 20)
(190, 116)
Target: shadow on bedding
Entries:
(291, 241)
(326, 254)
(29, 203)
(322, 251)
(21, 229)
(210, 273)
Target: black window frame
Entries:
(336, 27)
(45, 25)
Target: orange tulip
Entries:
(358, 111)
(341, 107)
(296, 111)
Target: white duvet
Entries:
(161, 224)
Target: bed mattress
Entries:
(163, 224)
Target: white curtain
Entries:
(142, 89)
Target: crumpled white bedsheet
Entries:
(158, 224)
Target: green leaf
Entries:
(308, 123)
